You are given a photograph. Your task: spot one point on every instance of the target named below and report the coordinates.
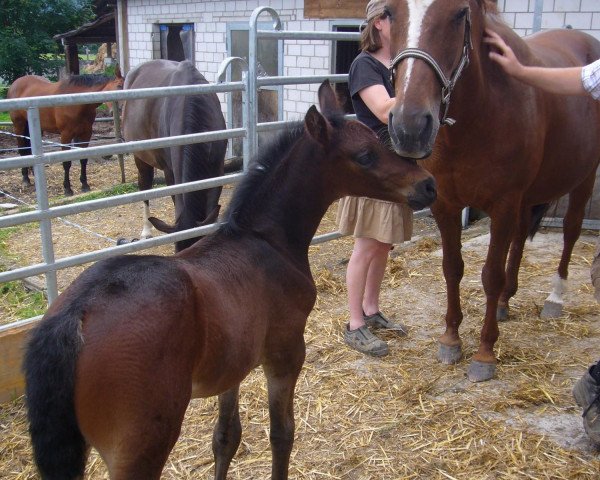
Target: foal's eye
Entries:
(366, 159)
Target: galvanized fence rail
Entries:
(43, 213)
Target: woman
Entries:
(376, 225)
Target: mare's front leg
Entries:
(449, 223)
(483, 364)
(282, 370)
(66, 138)
(227, 433)
(21, 129)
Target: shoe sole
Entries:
(373, 353)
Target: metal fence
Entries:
(43, 213)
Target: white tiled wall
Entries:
(210, 18)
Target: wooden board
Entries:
(334, 8)
(12, 343)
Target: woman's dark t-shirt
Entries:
(366, 71)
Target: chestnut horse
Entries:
(513, 150)
(170, 116)
(120, 353)
(72, 122)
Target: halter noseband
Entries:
(448, 84)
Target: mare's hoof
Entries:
(26, 182)
(502, 313)
(85, 188)
(551, 310)
(68, 193)
(449, 354)
(481, 371)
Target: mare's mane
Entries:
(86, 80)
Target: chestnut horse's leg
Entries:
(145, 178)
(571, 230)
(21, 128)
(513, 264)
(448, 220)
(282, 375)
(483, 364)
(227, 433)
(66, 137)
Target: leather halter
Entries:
(448, 84)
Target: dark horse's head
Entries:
(431, 44)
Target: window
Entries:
(344, 52)
(175, 42)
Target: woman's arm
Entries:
(555, 80)
(377, 100)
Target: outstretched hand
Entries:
(504, 54)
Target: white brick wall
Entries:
(210, 18)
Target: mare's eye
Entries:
(460, 15)
(366, 159)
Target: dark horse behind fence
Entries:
(72, 122)
(513, 150)
(170, 116)
(120, 353)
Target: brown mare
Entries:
(72, 122)
(170, 116)
(512, 151)
(120, 353)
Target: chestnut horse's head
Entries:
(115, 83)
(430, 45)
(360, 165)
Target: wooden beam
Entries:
(334, 8)
(12, 347)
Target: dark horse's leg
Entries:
(83, 142)
(571, 230)
(449, 223)
(227, 433)
(282, 375)
(145, 178)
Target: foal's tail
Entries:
(58, 445)
(537, 214)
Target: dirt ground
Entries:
(401, 416)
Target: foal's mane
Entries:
(260, 170)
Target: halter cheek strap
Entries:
(448, 84)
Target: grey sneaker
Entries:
(587, 395)
(379, 320)
(364, 341)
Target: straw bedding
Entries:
(405, 415)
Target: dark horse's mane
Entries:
(87, 80)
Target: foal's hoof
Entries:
(26, 182)
(551, 310)
(449, 354)
(502, 313)
(481, 371)
(124, 241)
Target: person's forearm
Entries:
(556, 80)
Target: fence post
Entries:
(41, 191)
(119, 137)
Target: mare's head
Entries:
(359, 164)
(431, 45)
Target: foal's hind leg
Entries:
(571, 231)
(82, 142)
(227, 433)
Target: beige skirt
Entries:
(387, 222)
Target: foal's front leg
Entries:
(281, 382)
(227, 433)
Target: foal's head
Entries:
(359, 164)
(431, 44)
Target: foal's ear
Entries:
(317, 126)
(327, 99)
